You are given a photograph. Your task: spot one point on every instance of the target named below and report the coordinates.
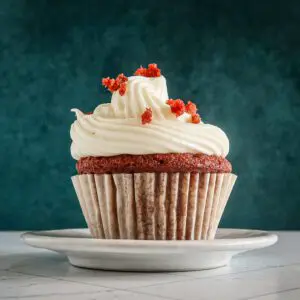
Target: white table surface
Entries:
(267, 274)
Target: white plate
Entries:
(136, 255)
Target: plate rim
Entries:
(36, 238)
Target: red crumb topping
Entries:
(146, 116)
(114, 85)
(151, 71)
(122, 88)
(140, 71)
(177, 106)
(196, 119)
(109, 83)
(191, 108)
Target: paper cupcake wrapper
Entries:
(153, 206)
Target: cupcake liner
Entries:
(153, 206)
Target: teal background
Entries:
(239, 60)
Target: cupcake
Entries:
(148, 167)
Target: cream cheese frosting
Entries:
(115, 128)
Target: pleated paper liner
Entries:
(153, 206)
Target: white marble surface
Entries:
(268, 274)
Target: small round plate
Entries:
(139, 255)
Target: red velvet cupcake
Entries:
(148, 167)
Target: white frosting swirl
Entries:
(116, 128)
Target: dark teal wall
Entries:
(239, 60)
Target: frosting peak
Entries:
(141, 92)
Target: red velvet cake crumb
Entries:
(151, 71)
(191, 108)
(146, 116)
(114, 85)
(122, 88)
(177, 106)
(141, 71)
(196, 119)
